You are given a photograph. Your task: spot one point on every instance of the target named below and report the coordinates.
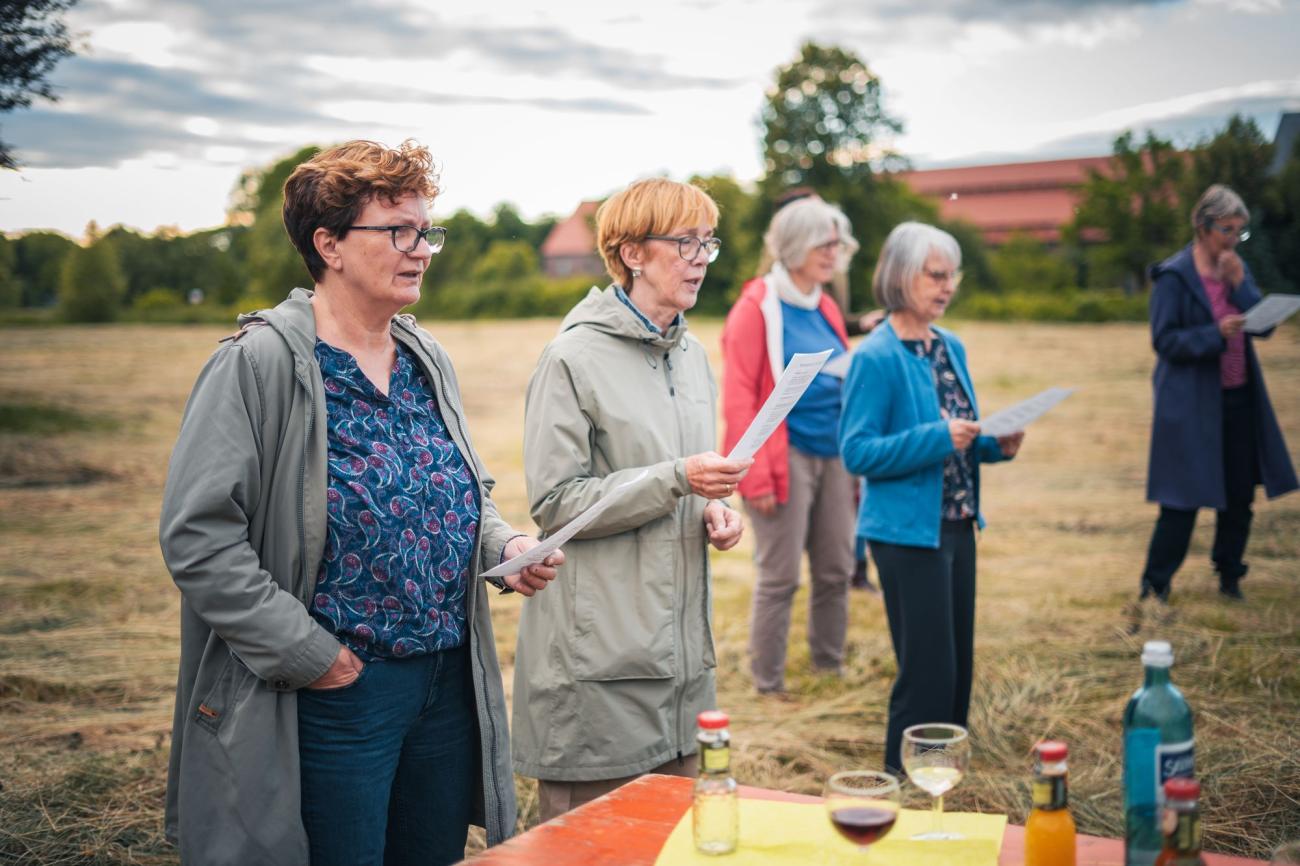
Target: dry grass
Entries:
(88, 614)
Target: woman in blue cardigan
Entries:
(910, 426)
(1214, 436)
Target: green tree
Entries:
(38, 265)
(740, 247)
(33, 39)
(1135, 208)
(273, 265)
(1024, 264)
(91, 286)
(11, 293)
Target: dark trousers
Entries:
(1173, 532)
(930, 602)
(389, 762)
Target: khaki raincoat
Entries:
(615, 659)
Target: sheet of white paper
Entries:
(1019, 416)
(798, 375)
(1271, 311)
(570, 529)
(839, 365)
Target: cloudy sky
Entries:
(545, 104)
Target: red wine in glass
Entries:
(863, 825)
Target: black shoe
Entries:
(1233, 592)
(860, 580)
(1162, 595)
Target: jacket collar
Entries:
(1183, 265)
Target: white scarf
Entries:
(779, 279)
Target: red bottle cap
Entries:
(712, 720)
(1182, 789)
(1052, 750)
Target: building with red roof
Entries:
(570, 248)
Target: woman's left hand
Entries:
(534, 577)
(725, 526)
(1011, 444)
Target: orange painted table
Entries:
(630, 825)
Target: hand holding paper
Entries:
(552, 543)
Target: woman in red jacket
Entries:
(798, 494)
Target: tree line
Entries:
(824, 127)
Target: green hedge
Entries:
(1107, 305)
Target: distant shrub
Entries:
(1104, 305)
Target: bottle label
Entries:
(1173, 760)
(1051, 792)
(1140, 768)
(716, 760)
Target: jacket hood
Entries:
(602, 311)
(294, 320)
(1180, 263)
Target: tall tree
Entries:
(91, 286)
(274, 266)
(1135, 207)
(33, 39)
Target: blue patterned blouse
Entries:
(403, 513)
(959, 467)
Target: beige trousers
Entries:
(819, 517)
(556, 798)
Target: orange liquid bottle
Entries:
(1049, 832)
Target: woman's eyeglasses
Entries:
(407, 238)
(689, 246)
(1242, 234)
(942, 277)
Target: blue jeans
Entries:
(388, 763)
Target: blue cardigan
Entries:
(891, 432)
(1185, 469)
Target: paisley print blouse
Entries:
(959, 467)
(403, 513)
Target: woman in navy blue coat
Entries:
(1214, 436)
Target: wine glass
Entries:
(862, 805)
(1286, 855)
(936, 757)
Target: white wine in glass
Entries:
(935, 757)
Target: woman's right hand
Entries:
(764, 505)
(344, 672)
(963, 433)
(713, 476)
(1231, 325)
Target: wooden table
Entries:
(630, 825)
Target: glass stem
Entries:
(938, 814)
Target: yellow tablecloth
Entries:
(773, 833)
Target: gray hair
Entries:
(804, 224)
(902, 258)
(1217, 203)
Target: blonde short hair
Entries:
(654, 206)
(902, 259)
(804, 224)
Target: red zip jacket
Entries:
(752, 358)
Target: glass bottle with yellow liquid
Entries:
(1049, 832)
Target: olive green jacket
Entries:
(242, 531)
(615, 659)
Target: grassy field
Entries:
(88, 614)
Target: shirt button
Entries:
(282, 685)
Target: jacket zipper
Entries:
(679, 601)
(304, 593)
(491, 808)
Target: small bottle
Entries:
(1049, 832)
(1158, 746)
(1181, 824)
(716, 813)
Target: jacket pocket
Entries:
(623, 607)
(233, 680)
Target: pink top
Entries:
(1232, 363)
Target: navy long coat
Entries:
(1186, 463)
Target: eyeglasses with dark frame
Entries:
(689, 246)
(942, 277)
(1228, 231)
(407, 238)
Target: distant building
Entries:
(570, 248)
(1037, 198)
(1288, 133)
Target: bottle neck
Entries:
(1052, 788)
(1157, 675)
(1186, 835)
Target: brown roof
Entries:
(1034, 197)
(573, 236)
